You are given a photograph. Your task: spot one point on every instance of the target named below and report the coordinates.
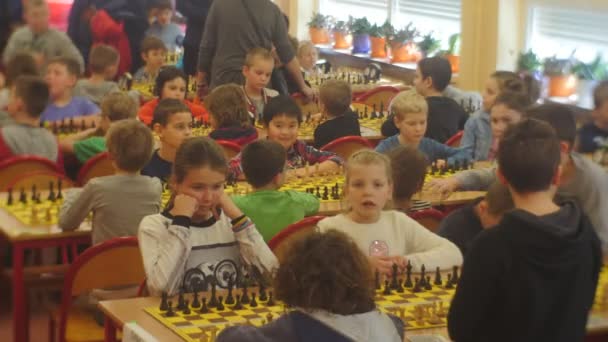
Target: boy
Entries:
(103, 65)
(61, 76)
(115, 107)
(410, 118)
(463, 225)
(153, 52)
(29, 96)
(172, 123)
(45, 42)
(163, 28)
(594, 134)
(257, 70)
(537, 270)
(271, 210)
(335, 97)
(122, 200)
(446, 117)
(282, 118)
(409, 167)
(22, 64)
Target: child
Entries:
(388, 237)
(271, 210)
(86, 144)
(257, 70)
(409, 167)
(120, 201)
(594, 134)
(335, 97)
(339, 306)
(103, 65)
(308, 56)
(170, 33)
(153, 52)
(22, 64)
(477, 137)
(61, 76)
(29, 95)
(172, 124)
(171, 83)
(200, 229)
(282, 118)
(464, 224)
(410, 117)
(229, 117)
(446, 117)
(540, 265)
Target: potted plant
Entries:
(360, 30)
(377, 38)
(589, 75)
(529, 63)
(318, 28)
(342, 37)
(403, 47)
(562, 82)
(453, 52)
(428, 45)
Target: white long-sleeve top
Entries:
(397, 234)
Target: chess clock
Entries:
(373, 72)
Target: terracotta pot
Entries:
(562, 86)
(361, 43)
(405, 53)
(319, 35)
(454, 62)
(378, 47)
(342, 40)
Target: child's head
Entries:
(335, 97)
(258, 68)
(508, 109)
(22, 64)
(153, 52)
(282, 118)
(432, 74)
(507, 81)
(36, 15)
(369, 184)
(171, 83)
(103, 60)
(163, 10)
(495, 204)
(600, 99)
(227, 107)
(411, 112)
(172, 122)
(529, 157)
(115, 107)
(263, 163)
(344, 285)
(29, 95)
(562, 119)
(199, 170)
(61, 75)
(409, 168)
(307, 55)
(130, 145)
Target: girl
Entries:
(201, 236)
(477, 138)
(338, 306)
(229, 117)
(171, 83)
(387, 236)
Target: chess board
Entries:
(45, 213)
(601, 293)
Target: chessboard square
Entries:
(217, 320)
(251, 316)
(227, 313)
(183, 324)
(193, 317)
(260, 310)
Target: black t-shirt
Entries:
(341, 126)
(590, 138)
(461, 227)
(158, 167)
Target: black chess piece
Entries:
(417, 286)
(51, 192)
(270, 299)
(408, 275)
(387, 288)
(34, 192)
(238, 305)
(245, 296)
(59, 194)
(213, 300)
(22, 196)
(423, 276)
(448, 284)
(163, 302)
(180, 300)
(318, 194)
(195, 302)
(220, 304)
(394, 283)
(186, 309)
(253, 302)
(455, 277)
(204, 309)
(170, 312)
(9, 200)
(400, 287)
(37, 200)
(381, 109)
(229, 297)
(377, 280)
(427, 283)
(325, 194)
(437, 277)
(263, 296)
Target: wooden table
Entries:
(366, 132)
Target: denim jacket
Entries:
(477, 138)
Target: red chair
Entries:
(281, 242)
(429, 218)
(346, 146)
(91, 271)
(98, 166)
(41, 179)
(454, 141)
(379, 96)
(231, 149)
(14, 167)
(306, 106)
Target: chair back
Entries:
(380, 97)
(346, 146)
(98, 166)
(230, 148)
(42, 180)
(14, 167)
(306, 106)
(454, 141)
(429, 218)
(281, 242)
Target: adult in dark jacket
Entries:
(196, 13)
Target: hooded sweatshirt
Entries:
(530, 278)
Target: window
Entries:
(376, 11)
(559, 31)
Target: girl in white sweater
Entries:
(202, 236)
(387, 236)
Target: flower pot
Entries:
(454, 62)
(562, 86)
(342, 40)
(361, 43)
(319, 35)
(404, 53)
(378, 45)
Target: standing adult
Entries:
(195, 12)
(234, 27)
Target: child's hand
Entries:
(229, 208)
(444, 186)
(184, 205)
(383, 264)
(440, 163)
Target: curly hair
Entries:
(409, 169)
(326, 271)
(228, 107)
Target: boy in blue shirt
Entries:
(163, 28)
(594, 135)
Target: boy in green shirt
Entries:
(271, 210)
